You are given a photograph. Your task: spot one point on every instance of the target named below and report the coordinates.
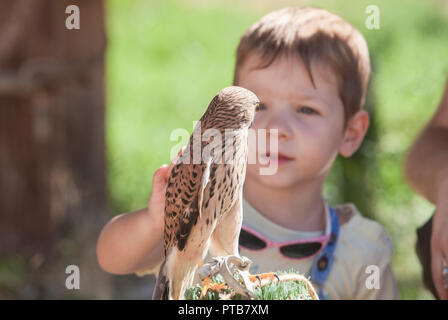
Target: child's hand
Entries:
(156, 204)
(439, 239)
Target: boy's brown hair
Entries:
(316, 35)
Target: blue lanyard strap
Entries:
(324, 260)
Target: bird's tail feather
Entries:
(162, 286)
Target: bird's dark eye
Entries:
(260, 107)
(307, 110)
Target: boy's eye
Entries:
(307, 110)
(260, 107)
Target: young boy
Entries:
(310, 70)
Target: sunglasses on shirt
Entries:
(296, 250)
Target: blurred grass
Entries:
(284, 290)
(167, 59)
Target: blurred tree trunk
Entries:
(52, 150)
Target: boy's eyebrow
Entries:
(300, 97)
(306, 97)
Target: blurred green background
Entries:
(167, 59)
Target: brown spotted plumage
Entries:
(203, 207)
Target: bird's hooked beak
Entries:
(255, 111)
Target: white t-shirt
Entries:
(362, 242)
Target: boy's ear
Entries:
(354, 133)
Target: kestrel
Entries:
(203, 208)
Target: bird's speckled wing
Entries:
(183, 203)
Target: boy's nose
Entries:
(283, 130)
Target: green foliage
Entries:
(167, 59)
(285, 290)
(14, 271)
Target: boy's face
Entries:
(309, 120)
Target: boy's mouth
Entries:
(280, 158)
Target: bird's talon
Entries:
(277, 277)
(264, 277)
(209, 285)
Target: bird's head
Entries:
(233, 108)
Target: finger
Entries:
(175, 160)
(439, 247)
(436, 271)
(178, 155)
(159, 178)
(444, 255)
(436, 268)
(161, 175)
